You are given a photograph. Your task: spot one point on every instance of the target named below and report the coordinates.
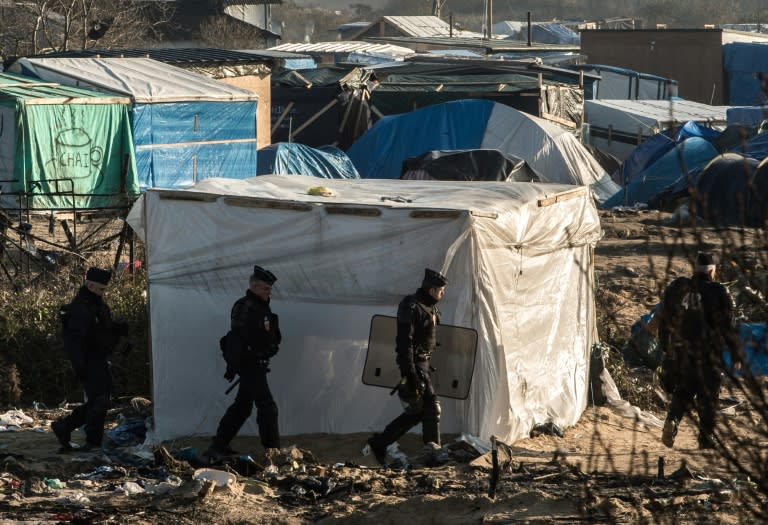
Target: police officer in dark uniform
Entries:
(417, 320)
(256, 334)
(696, 320)
(90, 335)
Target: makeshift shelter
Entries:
(468, 164)
(554, 153)
(292, 158)
(186, 127)
(63, 147)
(519, 258)
(542, 32)
(618, 83)
(733, 191)
(619, 126)
(548, 92)
(749, 116)
(655, 147)
(676, 163)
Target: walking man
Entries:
(90, 335)
(254, 339)
(696, 321)
(417, 320)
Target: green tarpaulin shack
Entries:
(63, 147)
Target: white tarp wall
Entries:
(520, 271)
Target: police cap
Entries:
(263, 275)
(433, 279)
(98, 275)
(706, 259)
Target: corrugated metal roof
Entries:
(343, 46)
(489, 46)
(178, 56)
(425, 26)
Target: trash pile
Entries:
(130, 476)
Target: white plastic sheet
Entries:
(517, 256)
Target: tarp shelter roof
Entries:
(553, 152)
(544, 32)
(344, 47)
(34, 91)
(183, 56)
(143, 79)
(533, 308)
(651, 113)
(421, 26)
(433, 65)
(293, 158)
(488, 46)
(676, 163)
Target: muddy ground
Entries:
(605, 469)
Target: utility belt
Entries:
(422, 354)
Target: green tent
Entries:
(64, 148)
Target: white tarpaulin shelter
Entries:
(519, 258)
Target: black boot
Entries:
(63, 434)
(378, 449)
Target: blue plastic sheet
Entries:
(754, 342)
(292, 158)
(380, 152)
(689, 155)
(652, 149)
(180, 143)
(742, 61)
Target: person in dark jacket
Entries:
(256, 337)
(90, 334)
(417, 320)
(695, 325)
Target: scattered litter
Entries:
(132, 431)
(550, 428)
(78, 499)
(482, 446)
(104, 472)
(321, 191)
(53, 483)
(219, 477)
(15, 418)
(130, 488)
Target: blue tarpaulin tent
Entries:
(292, 158)
(652, 149)
(674, 164)
(551, 151)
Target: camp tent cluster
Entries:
(519, 258)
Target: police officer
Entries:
(257, 332)
(90, 334)
(417, 320)
(696, 319)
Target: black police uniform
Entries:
(89, 338)
(694, 352)
(258, 329)
(417, 320)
